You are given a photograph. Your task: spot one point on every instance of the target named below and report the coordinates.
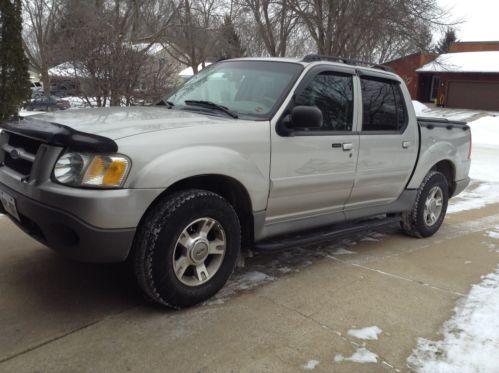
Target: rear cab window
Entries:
(383, 106)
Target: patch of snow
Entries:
(28, 113)
(470, 338)
(493, 235)
(449, 113)
(369, 333)
(68, 70)
(362, 355)
(419, 108)
(149, 48)
(188, 72)
(284, 269)
(468, 262)
(476, 62)
(477, 195)
(81, 102)
(238, 283)
(342, 251)
(311, 364)
(369, 239)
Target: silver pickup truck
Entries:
(244, 153)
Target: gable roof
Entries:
(464, 62)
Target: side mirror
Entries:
(305, 117)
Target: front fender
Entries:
(190, 161)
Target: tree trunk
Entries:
(45, 81)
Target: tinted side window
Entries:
(383, 106)
(332, 93)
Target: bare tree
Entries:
(371, 30)
(191, 38)
(275, 21)
(41, 17)
(108, 63)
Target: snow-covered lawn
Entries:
(471, 338)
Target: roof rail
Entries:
(346, 61)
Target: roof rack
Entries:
(346, 61)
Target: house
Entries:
(406, 68)
(467, 77)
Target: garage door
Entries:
(473, 95)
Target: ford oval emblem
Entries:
(14, 154)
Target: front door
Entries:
(313, 170)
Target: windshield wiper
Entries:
(212, 105)
(166, 103)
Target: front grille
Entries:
(19, 153)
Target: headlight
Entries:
(92, 170)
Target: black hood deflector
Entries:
(59, 135)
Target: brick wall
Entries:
(406, 68)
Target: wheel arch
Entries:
(448, 169)
(227, 187)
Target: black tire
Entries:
(156, 242)
(414, 222)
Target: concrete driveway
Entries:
(282, 312)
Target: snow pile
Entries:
(311, 364)
(471, 337)
(369, 333)
(478, 62)
(362, 355)
(420, 108)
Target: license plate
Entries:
(9, 204)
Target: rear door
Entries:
(313, 170)
(388, 143)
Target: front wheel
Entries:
(186, 248)
(428, 211)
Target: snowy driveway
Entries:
(362, 304)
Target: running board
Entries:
(324, 234)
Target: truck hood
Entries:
(118, 122)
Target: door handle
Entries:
(406, 144)
(347, 147)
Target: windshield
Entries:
(249, 88)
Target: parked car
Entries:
(245, 152)
(36, 89)
(47, 103)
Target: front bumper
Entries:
(67, 234)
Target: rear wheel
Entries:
(428, 211)
(186, 248)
